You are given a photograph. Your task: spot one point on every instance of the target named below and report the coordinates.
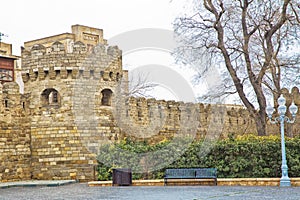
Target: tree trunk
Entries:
(260, 121)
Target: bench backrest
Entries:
(206, 172)
(191, 173)
(182, 173)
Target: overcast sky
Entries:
(25, 20)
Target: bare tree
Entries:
(140, 86)
(136, 84)
(251, 38)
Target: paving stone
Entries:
(82, 191)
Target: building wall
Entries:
(15, 149)
(5, 49)
(7, 57)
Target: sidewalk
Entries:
(34, 183)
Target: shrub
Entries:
(240, 157)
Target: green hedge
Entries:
(241, 157)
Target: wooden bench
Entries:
(191, 173)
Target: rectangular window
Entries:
(6, 69)
(6, 75)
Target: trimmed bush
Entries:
(241, 157)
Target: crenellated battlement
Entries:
(82, 54)
(153, 120)
(294, 95)
(101, 62)
(12, 102)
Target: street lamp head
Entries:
(281, 100)
(293, 109)
(281, 109)
(270, 110)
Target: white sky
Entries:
(25, 20)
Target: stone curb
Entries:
(46, 183)
(221, 182)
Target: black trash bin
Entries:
(122, 177)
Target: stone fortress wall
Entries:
(73, 103)
(15, 151)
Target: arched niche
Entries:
(50, 97)
(106, 97)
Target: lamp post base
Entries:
(285, 182)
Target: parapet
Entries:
(100, 61)
(13, 104)
(294, 95)
(88, 35)
(82, 53)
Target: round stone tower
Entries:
(71, 79)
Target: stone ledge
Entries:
(255, 182)
(221, 182)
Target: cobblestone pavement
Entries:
(82, 191)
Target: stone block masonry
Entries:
(73, 102)
(15, 151)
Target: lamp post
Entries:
(285, 180)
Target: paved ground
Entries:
(82, 191)
(33, 183)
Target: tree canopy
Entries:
(253, 43)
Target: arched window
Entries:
(106, 97)
(50, 97)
